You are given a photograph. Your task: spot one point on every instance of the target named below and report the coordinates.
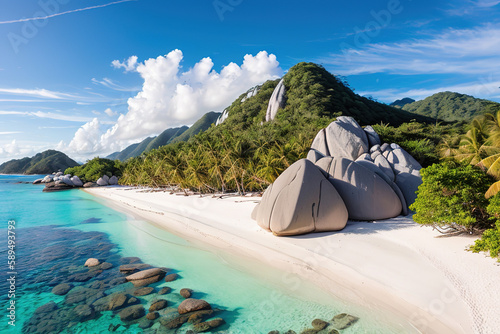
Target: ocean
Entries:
(56, 232)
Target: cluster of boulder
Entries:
(58, 181)
(348, 174)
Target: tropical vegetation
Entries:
(93, 169)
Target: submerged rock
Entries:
(92, 262)
(132, 313)
(144, 291)
(62, 289)
(191, 304)
(343, 320)
(208, 325)
(158, 305)
(145, 277)
(186, 293)
(171, 277)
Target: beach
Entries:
(432, 284)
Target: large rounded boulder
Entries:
(346, 139)
(301, 200)
(366, 194)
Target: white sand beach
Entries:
(394, 265)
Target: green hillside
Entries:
(201, 125)
(247, 153)
(42, 163)
(147, 144)
(449, 106)
(401, 103)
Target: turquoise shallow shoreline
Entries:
(255, 299)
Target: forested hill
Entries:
(449, 106)
(42, 163)
(172, 135)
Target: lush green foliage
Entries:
(42, 163)
(448, 106)
(452, 196)
(93, 169)
(422, 141)
(490, 240)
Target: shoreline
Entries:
(393, 265)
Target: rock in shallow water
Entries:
(132, 313)
(191, 304)
(92, 262)
(343, 320)
(186, 293)
(62, 289)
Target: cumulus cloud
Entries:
(110, 112)
(171, 97)
(129, 65)
(13, 150)
(87, 139)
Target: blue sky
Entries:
(95, 76)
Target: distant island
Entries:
(46, 162)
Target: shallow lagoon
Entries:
(254, 298)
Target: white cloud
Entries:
(95, 112)
(486, 3)
(170, 97)
(14, 150)
(36, 92)
(110, 112)
(51, 115)
(464, 51)
(129, 65)
(108, 83)
(86, 140)
(9, 132)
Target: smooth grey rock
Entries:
(366, 195)
(113, 180)
(384, 165)
(385, 147)
(301, 200)
(380, 172)
(319, 143)
(372, 135)
(222, 117)
(59, 174)
(375, 148)
(401, 160)
(76, 181)
(37, 181)
(409, 181)
(251, 93)
(65, 179)
(277, 101)
(346, 139)
(101, 182)
(314, 155)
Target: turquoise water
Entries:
(54, 229)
